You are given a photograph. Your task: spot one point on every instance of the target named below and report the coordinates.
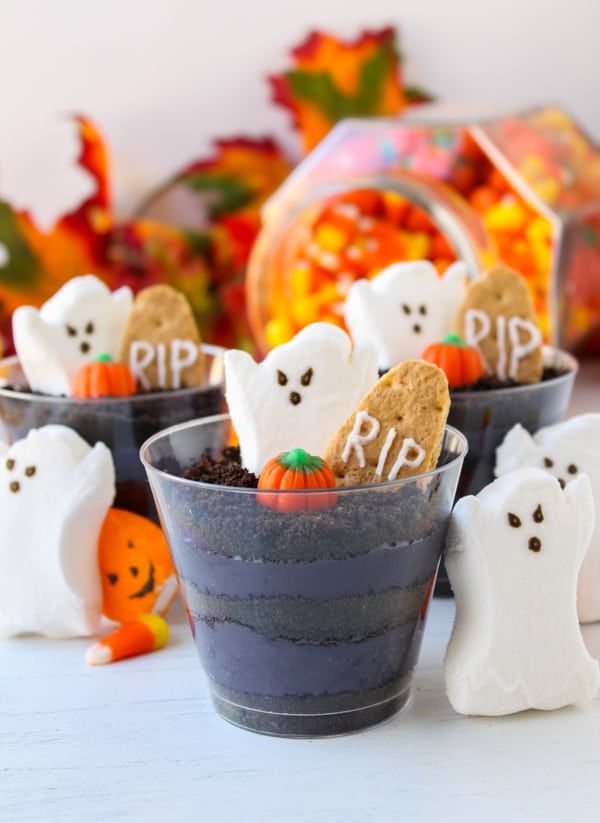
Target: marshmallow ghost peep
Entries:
(404, 308)
(565, 450)
(513, 554)
(299, 395)
(81, 321)
(55, 491)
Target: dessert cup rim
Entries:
(5, 391)
(571, 364)
(221, 418)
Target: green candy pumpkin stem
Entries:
(455, 340)
(300, 460)
(104, 358)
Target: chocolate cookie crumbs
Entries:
(490, 382)
(223, 469)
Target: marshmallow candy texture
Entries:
(565, 450)
(404, 308)
(81, 321)
(55, 491)
(300, 393)
(513, 554)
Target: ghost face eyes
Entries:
(534, 543)
(306, 377)
(415, 312)
(571, 469)
(88, 329)
(295, 397)
(14, 485)
(514, 521)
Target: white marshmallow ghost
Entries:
(404, 308)
(565, 450)
(82, 320)
(513, 554)
(55, 491)
(299, 395)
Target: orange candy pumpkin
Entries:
(296, 470)
(462, 364)
(135, 567)
(103, 378)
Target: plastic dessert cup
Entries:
(485, 417)
(123, 423)
(308, 623)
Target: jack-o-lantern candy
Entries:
(461, 363)
(135, 567)
(296, 471)
(103, 378)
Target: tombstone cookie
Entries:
(55, 491)
(513, 554)
(497, 316)
(397, 429)
(80, 322)
(404, 308)
(162, 344)
(299, 395)
(565, 450)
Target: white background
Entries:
(162, 77)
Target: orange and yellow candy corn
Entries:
(146, 633)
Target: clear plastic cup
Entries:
(307, 623)
(122, 423)
(485, 417)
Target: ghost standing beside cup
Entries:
(566, 450)
(513, 555)
(55, 491)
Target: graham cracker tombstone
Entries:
(396, 430)
(162, 344)
(498, 318)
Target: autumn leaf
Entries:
(331, 79)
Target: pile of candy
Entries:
(358, 233)
(354, 235)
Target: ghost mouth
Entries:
(295, 398)
(148, 586)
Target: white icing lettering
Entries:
(161, 365)
(519, 349)
(356, 440)
(473, 334)
(391, 436)
(184, 353)
(501, 344)
(408, 445)
(141, 354)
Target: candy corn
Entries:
(146, 633)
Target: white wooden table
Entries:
(139, 741)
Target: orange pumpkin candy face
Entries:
(135, 567)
